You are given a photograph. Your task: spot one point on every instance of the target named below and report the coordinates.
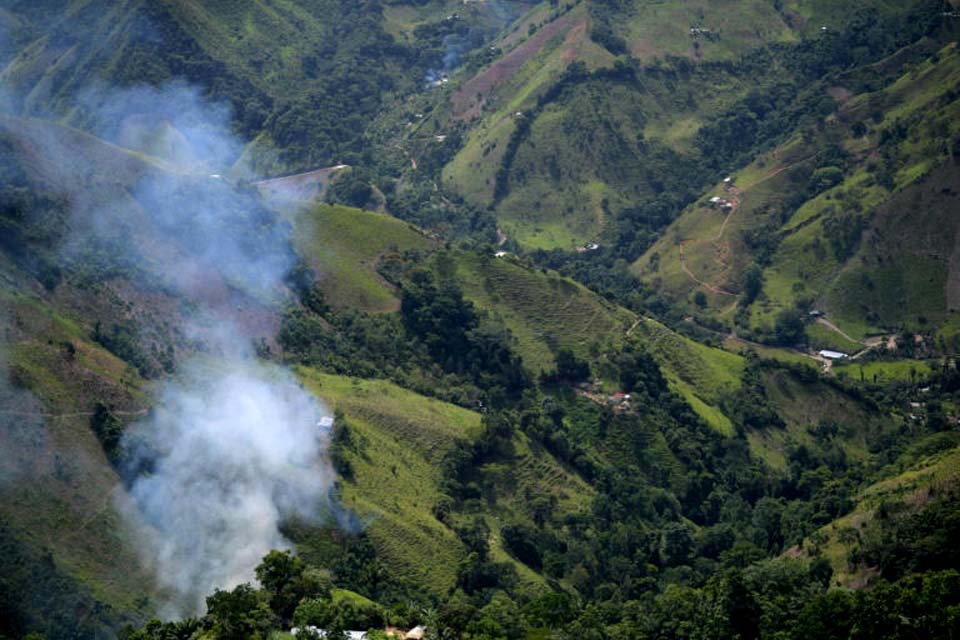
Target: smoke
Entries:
(231, 454)
(172, 121)
(233, 446)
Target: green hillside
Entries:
(400, 441)
(344, 246)
(561, 156)
(913, 488)
(65, 510)
(837, 247)
(573, 353)
(544, 312)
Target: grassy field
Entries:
(402, 439)
(67, 506)
(343, 246)
(701, 374)
(888, 275)
(544, 311)
(787, 356)
(805, 404)
(883, 371)
(660, 29)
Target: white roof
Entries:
(325, 421)
(353, 635)
(832, 355)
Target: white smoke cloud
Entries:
(233, 446)
(231, 454)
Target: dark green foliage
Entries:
(240, 614)
(926, 606)
(37, 595)
(351, 188)
(123, 341)
(570, 368)
(108, 429)
(288, 581)
(790, 328)
(913, 541)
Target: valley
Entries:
(496, 319)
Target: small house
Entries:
(832, 355)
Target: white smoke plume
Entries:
(234, 445)
(228, 456)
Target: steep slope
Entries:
(833, 224)
(303, 79)
(344, 247)
(561, 156)
(544, 312)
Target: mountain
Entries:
(510, 319)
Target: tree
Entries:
(570, 367)
(789, 328)
(751, 284)
(241, 614)
(287, 581)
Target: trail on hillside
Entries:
(723, 250)
(76, 414)
(692, 276)
(838, 330)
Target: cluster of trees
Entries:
(289, 594)
(439, 344)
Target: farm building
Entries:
(322, 633)
(832, 355)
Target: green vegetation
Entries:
(544, 312)
(345, 246)
(572, 369)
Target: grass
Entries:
(343, 245)
(787, 356)
(701, 374)
(899, 274)
(545, 312)
(822, 337)
(66, 507)
(660, 29)
(403, 438)
(881, 371)
(804, 404)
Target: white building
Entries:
(832, 355)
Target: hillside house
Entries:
(417, 633)
(832, 355)
(352, 635)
